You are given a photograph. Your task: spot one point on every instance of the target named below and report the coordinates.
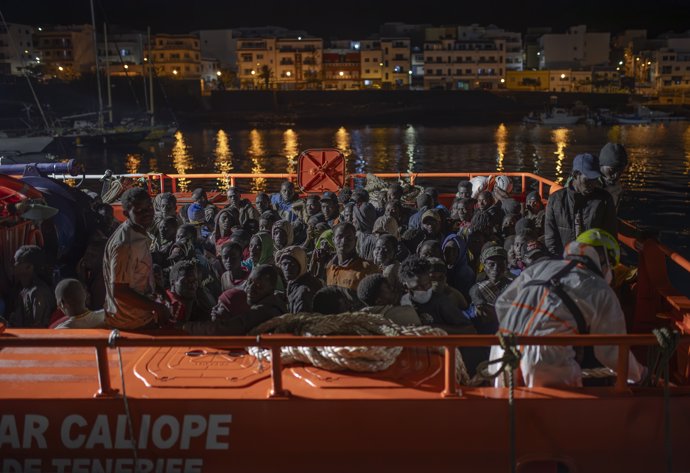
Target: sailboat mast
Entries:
(98, 73)
(143, 72)
(107, 74)
(151, 111)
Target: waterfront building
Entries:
(530, 47)
(464, 64)
(528, 80)
(16, 48)
(576, 48)
(341, 69)
(177, 56)
(125, 53)
(285, 63)
(65, 51)
(299, 62)
(670, 70)
(396, 63)
(513, 42)
(371, 63)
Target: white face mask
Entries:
(422, 297)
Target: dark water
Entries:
(657, 180)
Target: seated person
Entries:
(282, 234)
(287, 202)
(332, 300)
(128, 268)
(484, 293)
(378, 297)
(433, 308)
(456, 255)
(384, 256)
(235, 274)
(430, 249)
(165, 238)
(535, 210)
(461, 215)
(263, 306)
(245, 208)
(346, 269)
(71, 299)
(432, 225)
(182, 295)
(34, 300)
(263, 203)
(301, 285)
(439, 274)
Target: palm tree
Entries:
(265, 74)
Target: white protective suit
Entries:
(556, 365)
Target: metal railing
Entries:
(275, 342)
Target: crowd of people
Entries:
(487, 263)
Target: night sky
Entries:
(356, 17)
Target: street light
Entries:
(126, 66)
(253, 72)
(288, 73)
(562, 76)
(174, 71)
(218, 73)
(341, 73)
(60, 68)
(503, 81)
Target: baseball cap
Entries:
(588, 165)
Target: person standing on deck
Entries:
(127, 268)
(613, 159)
(581, 205)
(556, 297)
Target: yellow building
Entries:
(177, 56)
(527, 80)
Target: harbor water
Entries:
(657, 180)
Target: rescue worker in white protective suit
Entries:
(533, 305)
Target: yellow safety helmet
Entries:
(599, 237)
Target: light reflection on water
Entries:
(181, 161)
(657, 178)
(256, 153)
(223, 159)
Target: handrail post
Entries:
(104, 387)
(162, 179)
(622, 368)
(450, 389)
(524, 183)
(277, 374)
(174, 185)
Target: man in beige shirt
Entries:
(71, 299)
(127, 268)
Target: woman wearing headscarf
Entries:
(165, 205)
(363, 218)
(460, 273)
(301, 285)
(260, 251)
(222, 228)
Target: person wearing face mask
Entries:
(581, 205)
(434, 308)
(613, 159)
(566, 297)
